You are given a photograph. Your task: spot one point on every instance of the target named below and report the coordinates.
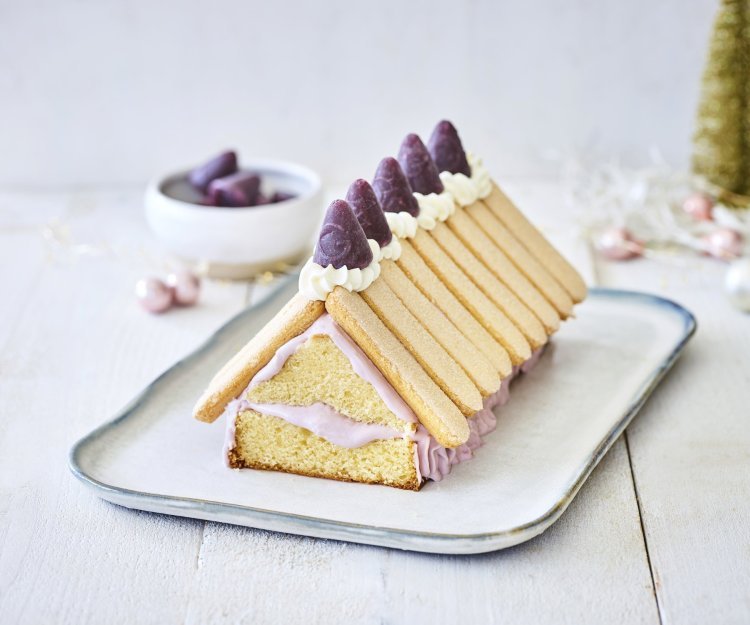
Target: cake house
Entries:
(427, 294)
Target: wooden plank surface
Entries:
(690, 451)
(78, 350)
(590, 567)
(75, 349)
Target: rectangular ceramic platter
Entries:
(560, 421)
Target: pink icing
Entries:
(533, 360)
(432, 460)
(319, 418)
(328, 423)
(233, 408)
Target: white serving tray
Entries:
(561, 419)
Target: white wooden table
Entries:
(659, 534)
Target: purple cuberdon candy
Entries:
(418, 166)
(261, 200)
(392, 189)
(235, 190)
(282, 196)
(342, 242)
(446, 149)
(222, 165)
(367, 209)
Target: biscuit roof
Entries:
(445, 320)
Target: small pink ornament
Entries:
(699, 206)
(185, 286)
(723, 243)
(618, 244)
(153, 295)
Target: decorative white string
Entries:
(647, 202)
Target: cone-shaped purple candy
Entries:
(222, 165)
(392, 188)
(418, 166)
(447, 151)
(240, 189)
(262, 200)
(371, 217)
(342, 242)
(281, 196)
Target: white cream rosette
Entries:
(403, 225)
(467, 190)
(392, 251)
(434, 208)
(316, 281)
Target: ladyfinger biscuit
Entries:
(506, 272)
(435, 411)
(472, 361)
(534, 241)
(292, 320)
(531, 325)
(529, 266)
(486, 312)
(438, 364)
(435, 291)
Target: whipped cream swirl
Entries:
(403, 225)
(316, 281)
(392, 251)
(467, 190)
(434, 208)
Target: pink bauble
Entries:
(153, 295)
(723, 243)
(186, 287)
(618, 244)
(699, 206)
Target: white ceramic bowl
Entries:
(238, 242)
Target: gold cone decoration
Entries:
(721, 152)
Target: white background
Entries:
(112, 92)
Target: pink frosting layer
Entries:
(328, 423)
(432, 460)
(533, 360)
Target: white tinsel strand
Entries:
(648, 202)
